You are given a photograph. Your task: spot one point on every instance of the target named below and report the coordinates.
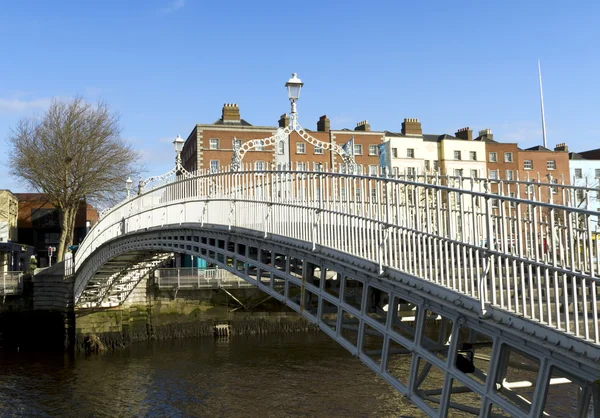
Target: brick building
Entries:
(38, 223)
(210, 146)
(546, 165)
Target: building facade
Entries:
(39, 223)
(14, 256)
(585, 172)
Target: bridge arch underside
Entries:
(429, 343)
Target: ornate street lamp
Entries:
(128, 185)
(178, 144)
(294, 85)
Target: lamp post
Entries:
(294, 85)
(178, 144)
(128, 184)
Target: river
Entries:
(289, 375)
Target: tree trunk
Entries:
(67, 225)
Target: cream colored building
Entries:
(412, 152)
(9, 213)
(461, 156)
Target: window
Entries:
(359, 169)
(510, 175)
(260, 145)
(493, 157)
(357, 149)
(472, 155)
(555, 188)
(396, 171)
(317, 166)
(213, 143)
(530, 189)
(395, 152)
(578, 173)
(214, 166)
(357, 194)
(551, 165)
(436, 165)
(495, 202)
(410, 153)
(372, 149)
(373, 170)
(374, 195)
(508, 157)
(457, 155)
(259, 165)
(493, 174)
(281, 148)
(597, 174)
(301, 166)
(343, 193)
(474, 174)
(528, 165)
(318, 150)
(513, 204)
(458, 172)
(236, 143)
(427, 165)
(411, 171)
(300, 148)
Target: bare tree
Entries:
(74, 152)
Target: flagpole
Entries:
(542, 102)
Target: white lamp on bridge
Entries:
(128, 184)
(178, 144)
(294, 85)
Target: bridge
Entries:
(461, 299)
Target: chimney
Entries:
(464, 133)
(231, 113)
(561, 147)
(486, 133)
(363, 126)
(411, 126)
(324, 124)
(284, 121)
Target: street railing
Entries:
(505, 246)
(195, 278)
(12, 283)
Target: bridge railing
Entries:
(11, 283)
(195, 278)
(480, 238)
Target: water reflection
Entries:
(271, 376)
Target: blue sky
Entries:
(166, 65)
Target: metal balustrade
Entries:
(195, 278)
(11, 283)
(539, 260)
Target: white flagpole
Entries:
(542, 102)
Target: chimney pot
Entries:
(464, 133)
(324, 124)
(411, 126)
(230, 113)
(363, 126)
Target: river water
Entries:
(292, 375)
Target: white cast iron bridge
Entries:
(468, 303)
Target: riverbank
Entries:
(148, 314)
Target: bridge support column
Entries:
(53, 321)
